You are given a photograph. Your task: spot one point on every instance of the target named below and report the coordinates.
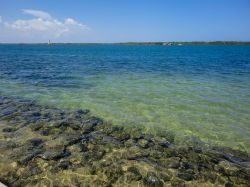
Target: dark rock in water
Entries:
(151, 180)
(75, 126)
(45, 132)
(94, 121)
(164, 143)
(93, 155)
(29, 156)
(113, 173)
(32, 170)
(87, 128)
(121, 135)
(37, 126)
(110, 140)
(80, 111)
(136, 175)
(55, 153)
(36, 141)
(63, 164)
(7, 144)
(168, 135)
(229, 184)
(36, 114)
(166, 176)
(178, 183)
(8, 111)
(186, 176)
(173, 162)
(130, 143)
(136, 134)
(9, 129)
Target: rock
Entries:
(33, 170)
(29, 156)
(113, 173)
(80, 111)
(93, 121)
(227, 168)
(173, 162)
(168, 135)
(45, 132)
(9, 129)
(63, 164)
(35, 141)
(75, 126)
(143, 143)
(121, 135)
(229, 184)
(7, 144)
(36, 114)
(55, 153)
(166, 176)
(110, 140)
(136, 134)
(164, 143)
(135, 174)
(130, 143)
(186, 176)
(151, 180)
(8, 111)
(37, 126)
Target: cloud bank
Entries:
(39, 28)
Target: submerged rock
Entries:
(134, 174)
(9, 129)
(143, 143)
(55, 153)
(151, 180)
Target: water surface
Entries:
(193, 90)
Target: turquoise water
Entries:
(193, 90)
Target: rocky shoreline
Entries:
(44, 146)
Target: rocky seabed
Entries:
(46, 146)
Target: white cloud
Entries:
(37, 13)
(42, 26)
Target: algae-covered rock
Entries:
(143, 143)
(151, 180)
(134, 174)
(55, 153)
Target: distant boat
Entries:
(179, 44)
(49, 43)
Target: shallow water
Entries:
(193, 90)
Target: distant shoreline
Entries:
(146, 43)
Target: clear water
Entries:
(193, 90)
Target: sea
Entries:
(195, 91)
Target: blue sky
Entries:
(124, 20)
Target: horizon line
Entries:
(130, 42)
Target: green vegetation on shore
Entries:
(187, 43)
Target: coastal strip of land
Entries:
(145, 43)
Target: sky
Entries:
(32, 21)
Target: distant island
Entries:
(187, 43)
